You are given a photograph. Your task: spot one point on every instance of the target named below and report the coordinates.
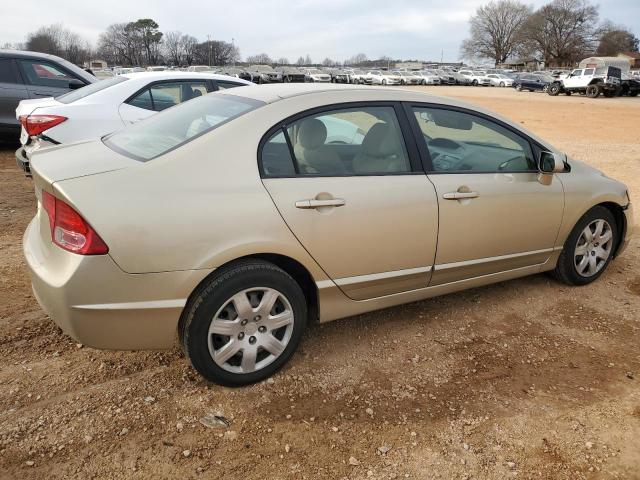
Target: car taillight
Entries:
(69, 230)
(36, 124)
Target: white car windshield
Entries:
(178, 125)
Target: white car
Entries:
(428, 77)
(408, 78)
(378, 77)
(477, 77)
(499, 80)
(107, 106)
(317, 76)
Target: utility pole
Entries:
(441, 56)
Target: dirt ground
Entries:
(526, 379)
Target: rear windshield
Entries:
(178, 125)
(90, 89)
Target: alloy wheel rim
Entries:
(593, 248)
(251, 330)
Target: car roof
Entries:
(170, 75)
(274, 92)
(26, 54)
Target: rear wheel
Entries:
(567, 93)
(474, 83)
(244, 324)
(519, 87)
(502, 84)
(633, 93)
(593, 91)
(589, 248)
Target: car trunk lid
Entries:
(74, 160)
(27, 107)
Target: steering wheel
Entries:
(505, 164)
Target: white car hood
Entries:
(27, 107)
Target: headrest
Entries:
(312, 133)
(379, 141)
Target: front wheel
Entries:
(474, 83)
(554, 89)
(589, 248)
(519, 87)
(244, 324)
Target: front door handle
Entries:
(460, 195)
(313, 203)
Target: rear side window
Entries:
(44, 74)
(349, 141)
(7, 72)
(166, 131)
(161, 96)
(90, 89)
(224, 85)
(142, 100)
(276, 157)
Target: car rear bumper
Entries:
(24, 153)
(92, 300)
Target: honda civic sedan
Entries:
(239, 218)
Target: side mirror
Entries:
(74, 84)
(550, 162)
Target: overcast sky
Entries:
(287, 28)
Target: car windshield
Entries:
(176, 126)
(90, 89)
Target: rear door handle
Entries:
(313, 203)
(460, 195)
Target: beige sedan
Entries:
(238, 218)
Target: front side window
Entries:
(462, 142)
(44, 74)
(588, 71)
(350, 141)
(576, 73)
(168, 130)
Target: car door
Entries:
(574, 79)
(159, 96)
(12, 90)
(495, 214)
(359, 203)
(46, 79)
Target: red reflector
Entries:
(69, 230)
(36, 124)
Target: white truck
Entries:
(594, 76)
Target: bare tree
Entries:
(358, 59)
(308, 60)
(261, 58)
(614, 39)
(189, 47)
(57, 40)
(172, 47)
(282, 61)
(327, 62)
(562, 32)
(496, 30)
(300, 61)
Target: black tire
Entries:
(474, 83)
(554, 89)
(593, 91)
(502, 84)
(633, 93)
(567, 93)
(214, 294)
(519, 87)
(565, 270)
